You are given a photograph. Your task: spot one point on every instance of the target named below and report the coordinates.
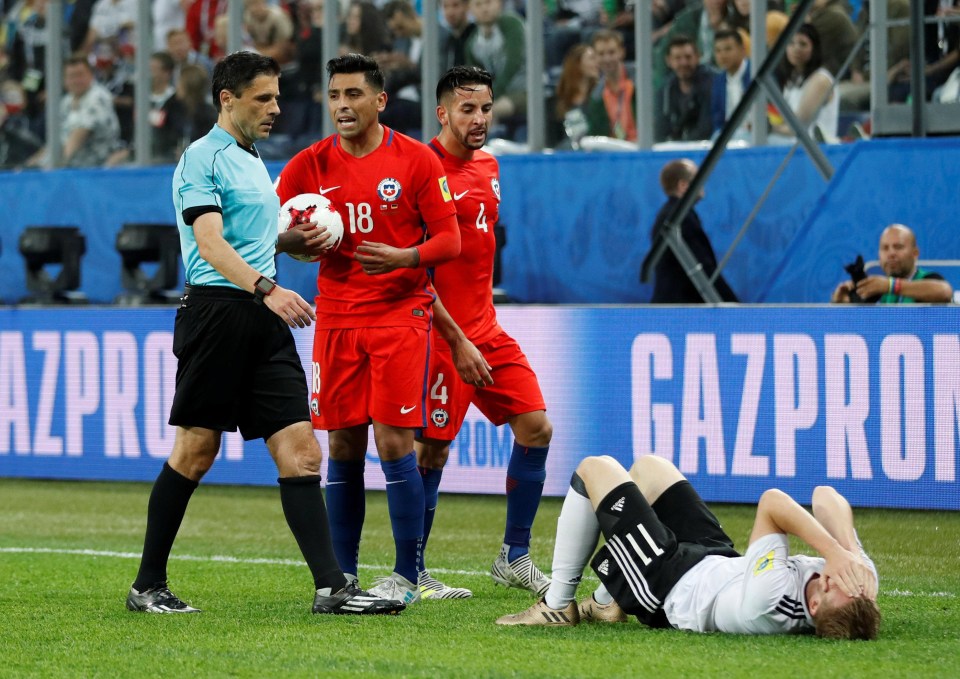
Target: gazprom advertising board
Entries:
(741, 399)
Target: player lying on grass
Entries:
(668, 561)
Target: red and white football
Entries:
(311, 207)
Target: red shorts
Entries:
(364, 374)
(515, 388)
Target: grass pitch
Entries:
(69, 550)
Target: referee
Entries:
(238, 365)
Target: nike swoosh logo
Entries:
(322, 191)
(458, 196)
(404, 410)
(399, 481)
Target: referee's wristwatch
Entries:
(263, 287)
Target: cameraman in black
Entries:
(682, 107)
(904, 282)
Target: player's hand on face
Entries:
(291, 307)
(471, 365)
(848, 572)
(380, 258)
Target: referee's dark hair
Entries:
(357, 63)
(236, 71)
(462, 76)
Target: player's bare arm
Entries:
(305, 239)
(777, 512)
(470, 363)
(288, 305)
(833, 512)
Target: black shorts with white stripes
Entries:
(649, 549)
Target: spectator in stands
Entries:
(89, 129)
(808, 89)
(738, 17)
(671, 284)
(168, 15)
(837, 33)
(682, 105)
(115, 21)
(731, 81)
(365, 31)
(181, 49)
(401, 67)
(578, 79)
(855, 92)
(270, 29)
(612, 111)
(310, 75)
(699, 21)
(26, 41)
(498, 47)
(201, 26)
(164, 137)
(942, 54)
(453, 39)
(113, 67)
(904, 282)
(190, 113)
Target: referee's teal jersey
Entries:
(215, 171)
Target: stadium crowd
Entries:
(701, 67)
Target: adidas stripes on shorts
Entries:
(649, 549)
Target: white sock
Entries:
(577, 534)
(602, 596)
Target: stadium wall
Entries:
(578, 224)
(741, 399)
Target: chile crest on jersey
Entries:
(389, 190)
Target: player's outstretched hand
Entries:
(305, 239)
(291, 307)
(849, 572)
(380, 258)
(471, 365)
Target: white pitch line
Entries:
(290, 562)
(208, 559)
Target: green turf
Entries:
(62, 614)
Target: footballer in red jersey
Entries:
(502, 384)
(374, 307)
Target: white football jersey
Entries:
(761, 592)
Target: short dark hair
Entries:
(681, 39)
(728, 34)
(858, 619)
(236, 71)
(673, 173)
(461, 76)
(164, 59)
(357, 63)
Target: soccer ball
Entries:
(311, 207)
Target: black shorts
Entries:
(649, 549)
(238, 365)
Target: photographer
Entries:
(904, 282)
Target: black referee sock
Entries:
(168, 503)
(306, 515)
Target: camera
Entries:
(857, 274)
